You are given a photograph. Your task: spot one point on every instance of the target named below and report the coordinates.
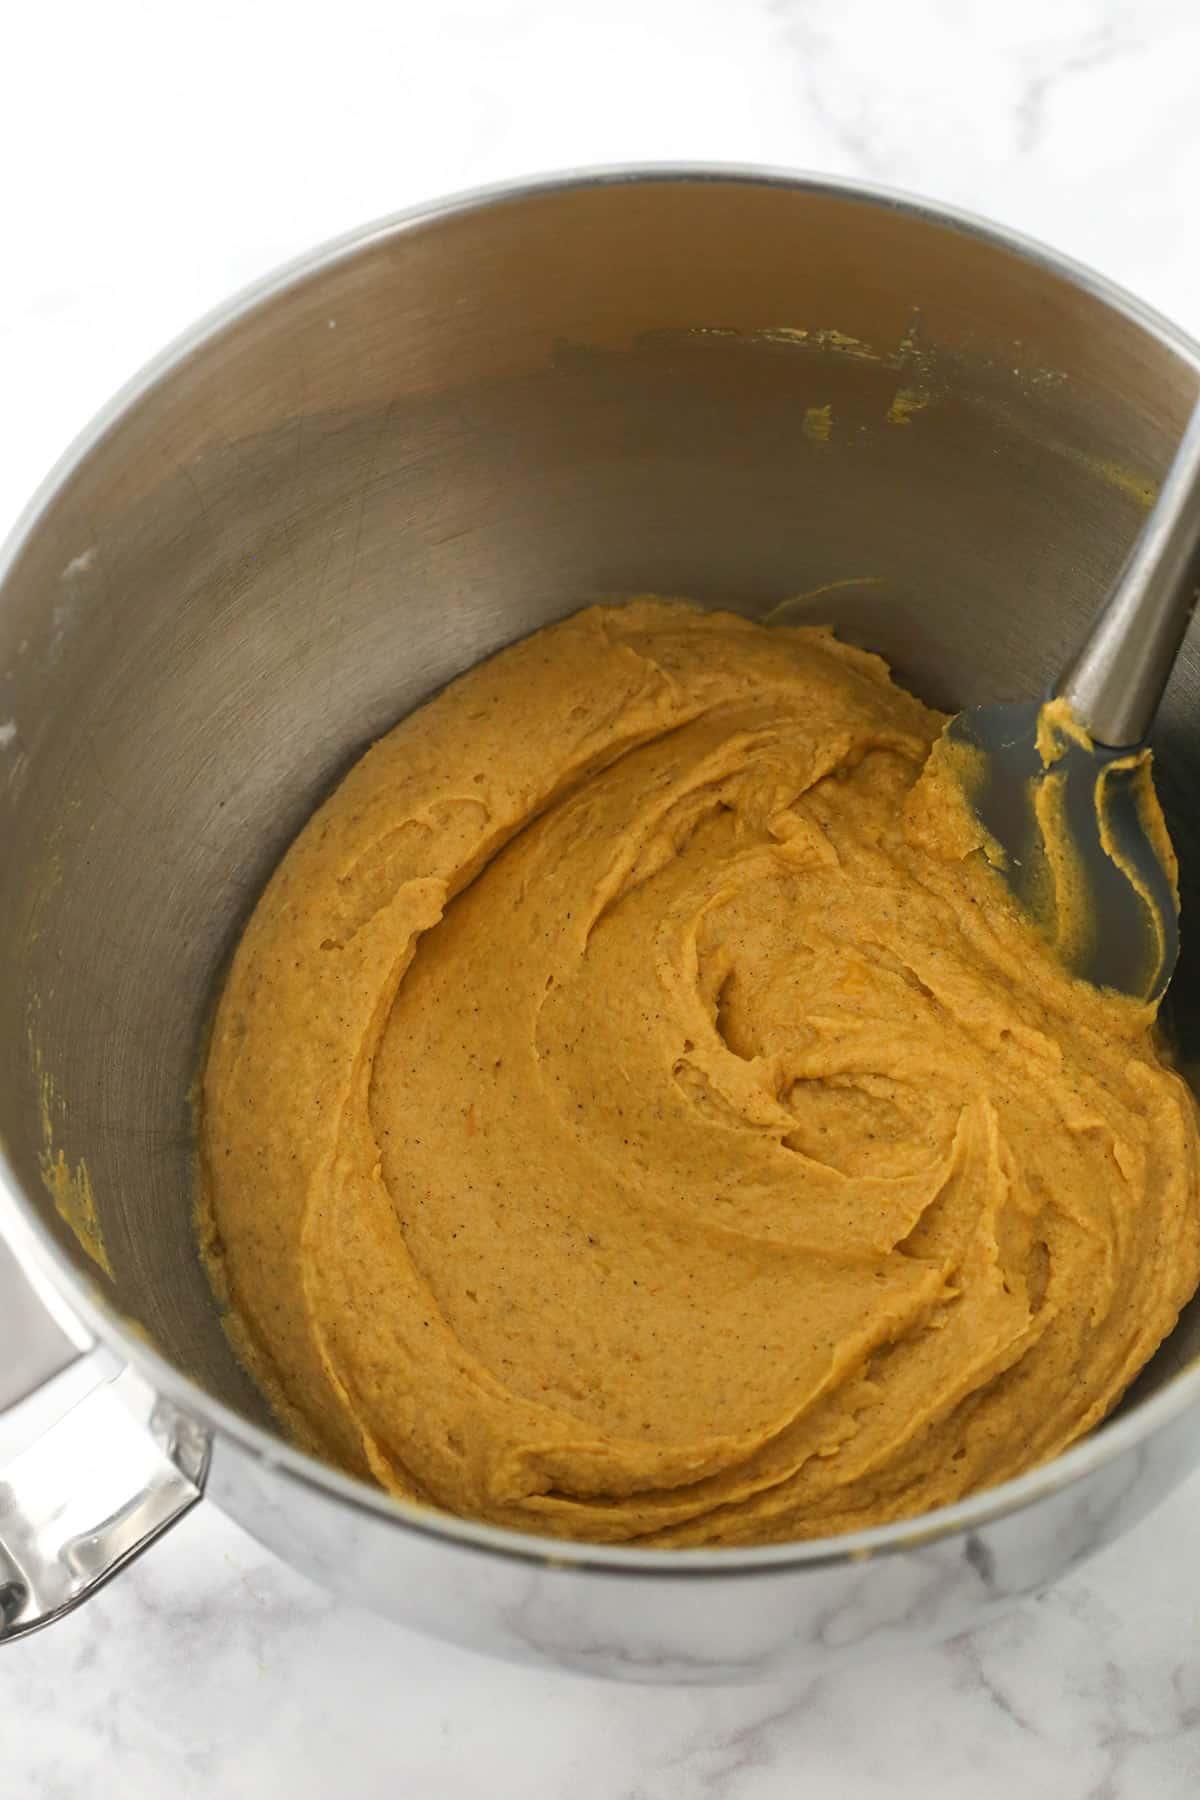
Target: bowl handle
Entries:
(92, 1489)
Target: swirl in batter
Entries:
(636, 1112)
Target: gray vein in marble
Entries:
(717, 1757)
(814, 49)
(1112, 39)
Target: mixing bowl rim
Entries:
(19, 1218)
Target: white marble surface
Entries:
(155, 157)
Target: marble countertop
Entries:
(167, 156)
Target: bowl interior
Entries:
(443, 438)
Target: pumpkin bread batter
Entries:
(635, 1110)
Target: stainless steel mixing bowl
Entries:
(366, 474)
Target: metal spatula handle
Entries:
(1116, 680)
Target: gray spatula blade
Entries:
(1102, 887)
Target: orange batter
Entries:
(635, 1110)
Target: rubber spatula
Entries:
(1062, 785)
